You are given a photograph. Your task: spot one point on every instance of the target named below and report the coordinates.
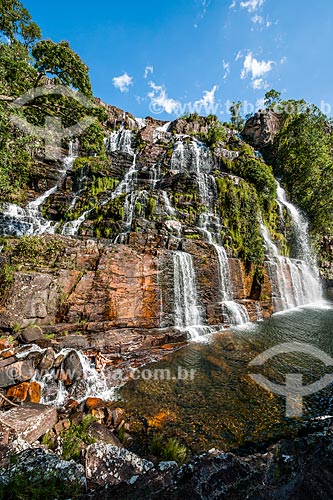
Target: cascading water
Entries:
(93, 383)
(235, 313)
(17, 221)
(195, 157)
(120, 141)
(188, 316)
(294, 281)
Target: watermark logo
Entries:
(293, 390)
(53, 132)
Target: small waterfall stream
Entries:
(28, 221)
(188, 315)
(235, 313)
(294, 281)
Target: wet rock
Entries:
(47, 360)
(31, 334)
(109, 464)
(101, 433)
(17, 372)
(43, 469)
(95, 403)
(293, 469)
(71, 369)
(29, 422)
(27, 391)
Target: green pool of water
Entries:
(220, 405)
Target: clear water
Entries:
(222, 406)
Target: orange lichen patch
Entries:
(161, 418)
(34, 392)
(95, 403)
(26, 391)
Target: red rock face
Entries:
(125, 291)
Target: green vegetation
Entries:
(76, 438)
(238, 206)
(25, 63)
(171, 449)
(236, 115)
(302, 156)
(216, 133)
(37, 250)
(32, 486)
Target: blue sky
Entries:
(164, 58)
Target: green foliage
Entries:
(236, 116)
(6, 278)
(258, 173)
(32, 486)
(15, 21)
(170, 450)
(272, 97)
(75, 439)
(302, 156)
(36, 250)
(238, 206)
(216, 133)
(151, 206)
(60, 60)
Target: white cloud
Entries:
(208, 98)
(254, 68)
(283, 60)
(159, 100)
(259, 83)
(226, 67)
(123, 82)
(233, 4)
(239, 55)
(257, 19)
(148, 70)
(252, 5)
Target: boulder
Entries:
(43, 472)
(17, 372)
(261, 129)
(101, 433)
(28, 422)
(27, 391)
(293, 469)
(47, 360)
(110, 464)
(31, 334)
(71, 369)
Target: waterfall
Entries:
(28, 221)
(194, 157)
(93, 383)
(300, 226)
(127, 185)
(187, 311)
(235, 313)
(121, 141)
(294, 281)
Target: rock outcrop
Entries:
(261, 128)
(295, 469)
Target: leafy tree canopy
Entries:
(60, 60)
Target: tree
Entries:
(236, 117)
(60, 60)
(303, 158)
(16, 22)
(272, 97)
